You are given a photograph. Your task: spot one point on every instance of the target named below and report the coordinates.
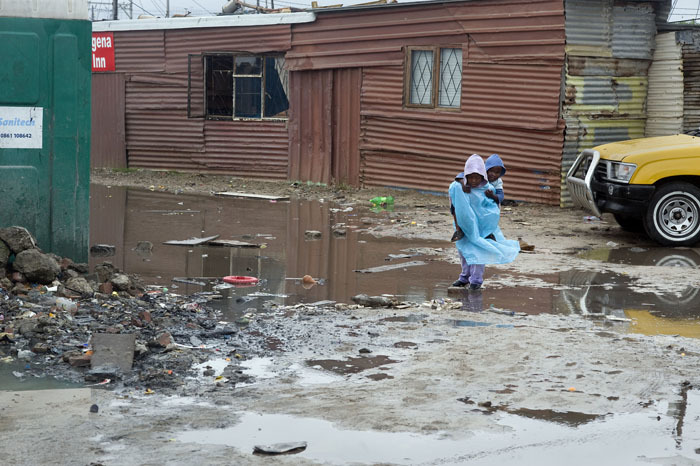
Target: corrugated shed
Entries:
(506, 30)
(609, 46)
(310, 116)
(665, 97)
(181, 42)
(139, 51)
(108, 136)
(691, 79)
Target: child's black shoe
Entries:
(475, 286)
(458, 235)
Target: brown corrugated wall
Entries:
(160, 135)
(513, 53)
(108, 138)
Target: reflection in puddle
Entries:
(18, 375)
(138, 222)
(473, 323)
(350, 365)
(528, 437)
(659, 257)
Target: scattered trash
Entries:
(591, 219)
(102, 250)
(526, 247)
(312, 234)
(189, 281)
(252, 196)
(375, 301)
(232, 243)
(240, 280)
(611, 244)
(382, 201)
(280, 448)
(192, 241)
(384, 268)
(94, 408)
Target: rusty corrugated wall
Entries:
(159, 134)
(108, 137)
(609, 47)
(345, 155)
(513, 53)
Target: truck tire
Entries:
(673, 215)
(631, 224)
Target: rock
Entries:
(145, 316)
(81, 267)
(120, 281)
(82, 360)
(312, 234)
(18, 239)
(36, 266)
(94, 408)
(375, 301)
(5, 283)
(106, 288)
(18, 277)
(4, 254)
(41, 348)
(164, 340)
(102, 250)
(79, 285)
(104, 271)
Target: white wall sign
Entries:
(21, 127)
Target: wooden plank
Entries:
(232, 243)
(253, 196)
(384, 268)
(192, 241)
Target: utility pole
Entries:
(167, 8)
(115, 9)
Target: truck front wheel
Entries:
(673, 216)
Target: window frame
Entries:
(262, 76)
(434, 98)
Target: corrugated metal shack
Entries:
(396, 95)
(501, 60)
(153, 110)
(383, 95)
(609, 49)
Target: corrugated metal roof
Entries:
(227, 21)
(665, 96)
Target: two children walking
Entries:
(476, 195)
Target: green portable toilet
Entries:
(45, 57)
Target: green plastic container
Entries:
(45, 131)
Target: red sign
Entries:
(102, 51)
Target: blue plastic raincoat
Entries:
(478, 217)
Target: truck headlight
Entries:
(621, 172)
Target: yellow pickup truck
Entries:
(649, 184)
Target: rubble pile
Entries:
(106, 327)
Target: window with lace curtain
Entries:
(433, 77)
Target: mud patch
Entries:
(350, 365)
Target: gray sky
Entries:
(683, 9)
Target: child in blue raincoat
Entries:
(477, 214)
(495, 169)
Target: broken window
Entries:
(245, 86)
(433, 77)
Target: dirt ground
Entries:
(429, 382)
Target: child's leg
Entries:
(464, 276)
(476, 274)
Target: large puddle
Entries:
(139, 222)
(525, 437)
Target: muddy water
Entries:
(568, 437)
(138, 222)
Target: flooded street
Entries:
(585, 349)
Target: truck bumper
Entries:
(622, 199)
(598, 197)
